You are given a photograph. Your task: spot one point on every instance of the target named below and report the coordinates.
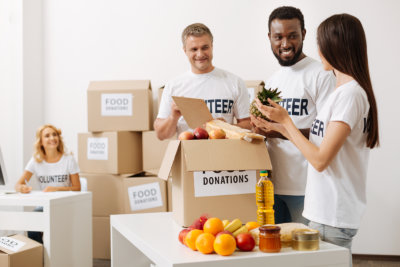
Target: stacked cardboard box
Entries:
(111, 156)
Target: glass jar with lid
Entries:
(305, 239)
(270, 238)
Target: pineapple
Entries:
(263, 95)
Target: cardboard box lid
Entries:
(217, 155)
(29, 243)
(119, 85)
(254, 83)
(194, 111)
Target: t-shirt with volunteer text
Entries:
(305, 87)
(337, 195)
(225, 94)
(53, 174)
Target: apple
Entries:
(224, 232)
(200, 133)
(217, 134)
(186, 135)
(199, 223)
(182, 234)
(245, 242)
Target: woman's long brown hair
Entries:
(341, 40)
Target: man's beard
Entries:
(290, 62)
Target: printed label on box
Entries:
(145, 196)
(97, 148)
(220, 183)
(116, 104)
(251, 94)
(11, 243)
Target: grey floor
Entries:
(358, 261)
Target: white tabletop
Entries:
(156, 235)
(37, 198)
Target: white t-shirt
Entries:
(337, 195)
(224, 93)
(305, 87)
(53, 174)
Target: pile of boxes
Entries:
(120, 156)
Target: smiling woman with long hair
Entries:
(341, 136)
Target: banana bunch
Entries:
(235, 227)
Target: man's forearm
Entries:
(165, 128)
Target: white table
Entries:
(66, 223)
(152, 239)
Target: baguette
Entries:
(232, 131)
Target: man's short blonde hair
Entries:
(195, 29)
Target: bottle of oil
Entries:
(265, 199)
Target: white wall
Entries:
(102, 40)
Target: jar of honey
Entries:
(270, 238)
(305, 239)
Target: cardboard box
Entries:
(101, 238)
(253, 87)
(215, 177)
(110, 152)
(120, 106)
(169, 193)
(20, 251)
(143, 194)
(106, 193)
(153, 151)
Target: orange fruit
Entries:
(205, 243)
(190, 239)
(224, 244)
(252, 225)
(213, 226)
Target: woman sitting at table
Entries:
(54, 169)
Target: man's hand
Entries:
(175, 112)
(25, 189)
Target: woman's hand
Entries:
(24, 189)
(269, 129)
(50, 189)
(275, 113)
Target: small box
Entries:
(101, 238)
(253, 87)
(120, 106)
(110, 152)
(106, 193)
(215, 177)
(142, 194)
(153, 151)
(20, 251)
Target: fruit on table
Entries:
(182, 235)
(205, 243)
(190, 239)
(186, 135)
(245, 242)
(234, 225)
(217, 134)
(199, 223)
(200, 133)
(225, 223)
(233, 131)
(252, 225)
(224, 232)
(213, 226)
(242, 229)
(263, 96)
(224, 244)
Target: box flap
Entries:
(120, 85)
(194, 111)
(225, 154)
(254, 83)
(168, 159)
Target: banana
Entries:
(225, 223)
(242, 229)
(233, 225)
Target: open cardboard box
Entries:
(214, 177)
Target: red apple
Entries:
(245, 242)
(186, 135)
(224, 232)
(199, 223)
(182, 235)
(200, 133)
(217, 134)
